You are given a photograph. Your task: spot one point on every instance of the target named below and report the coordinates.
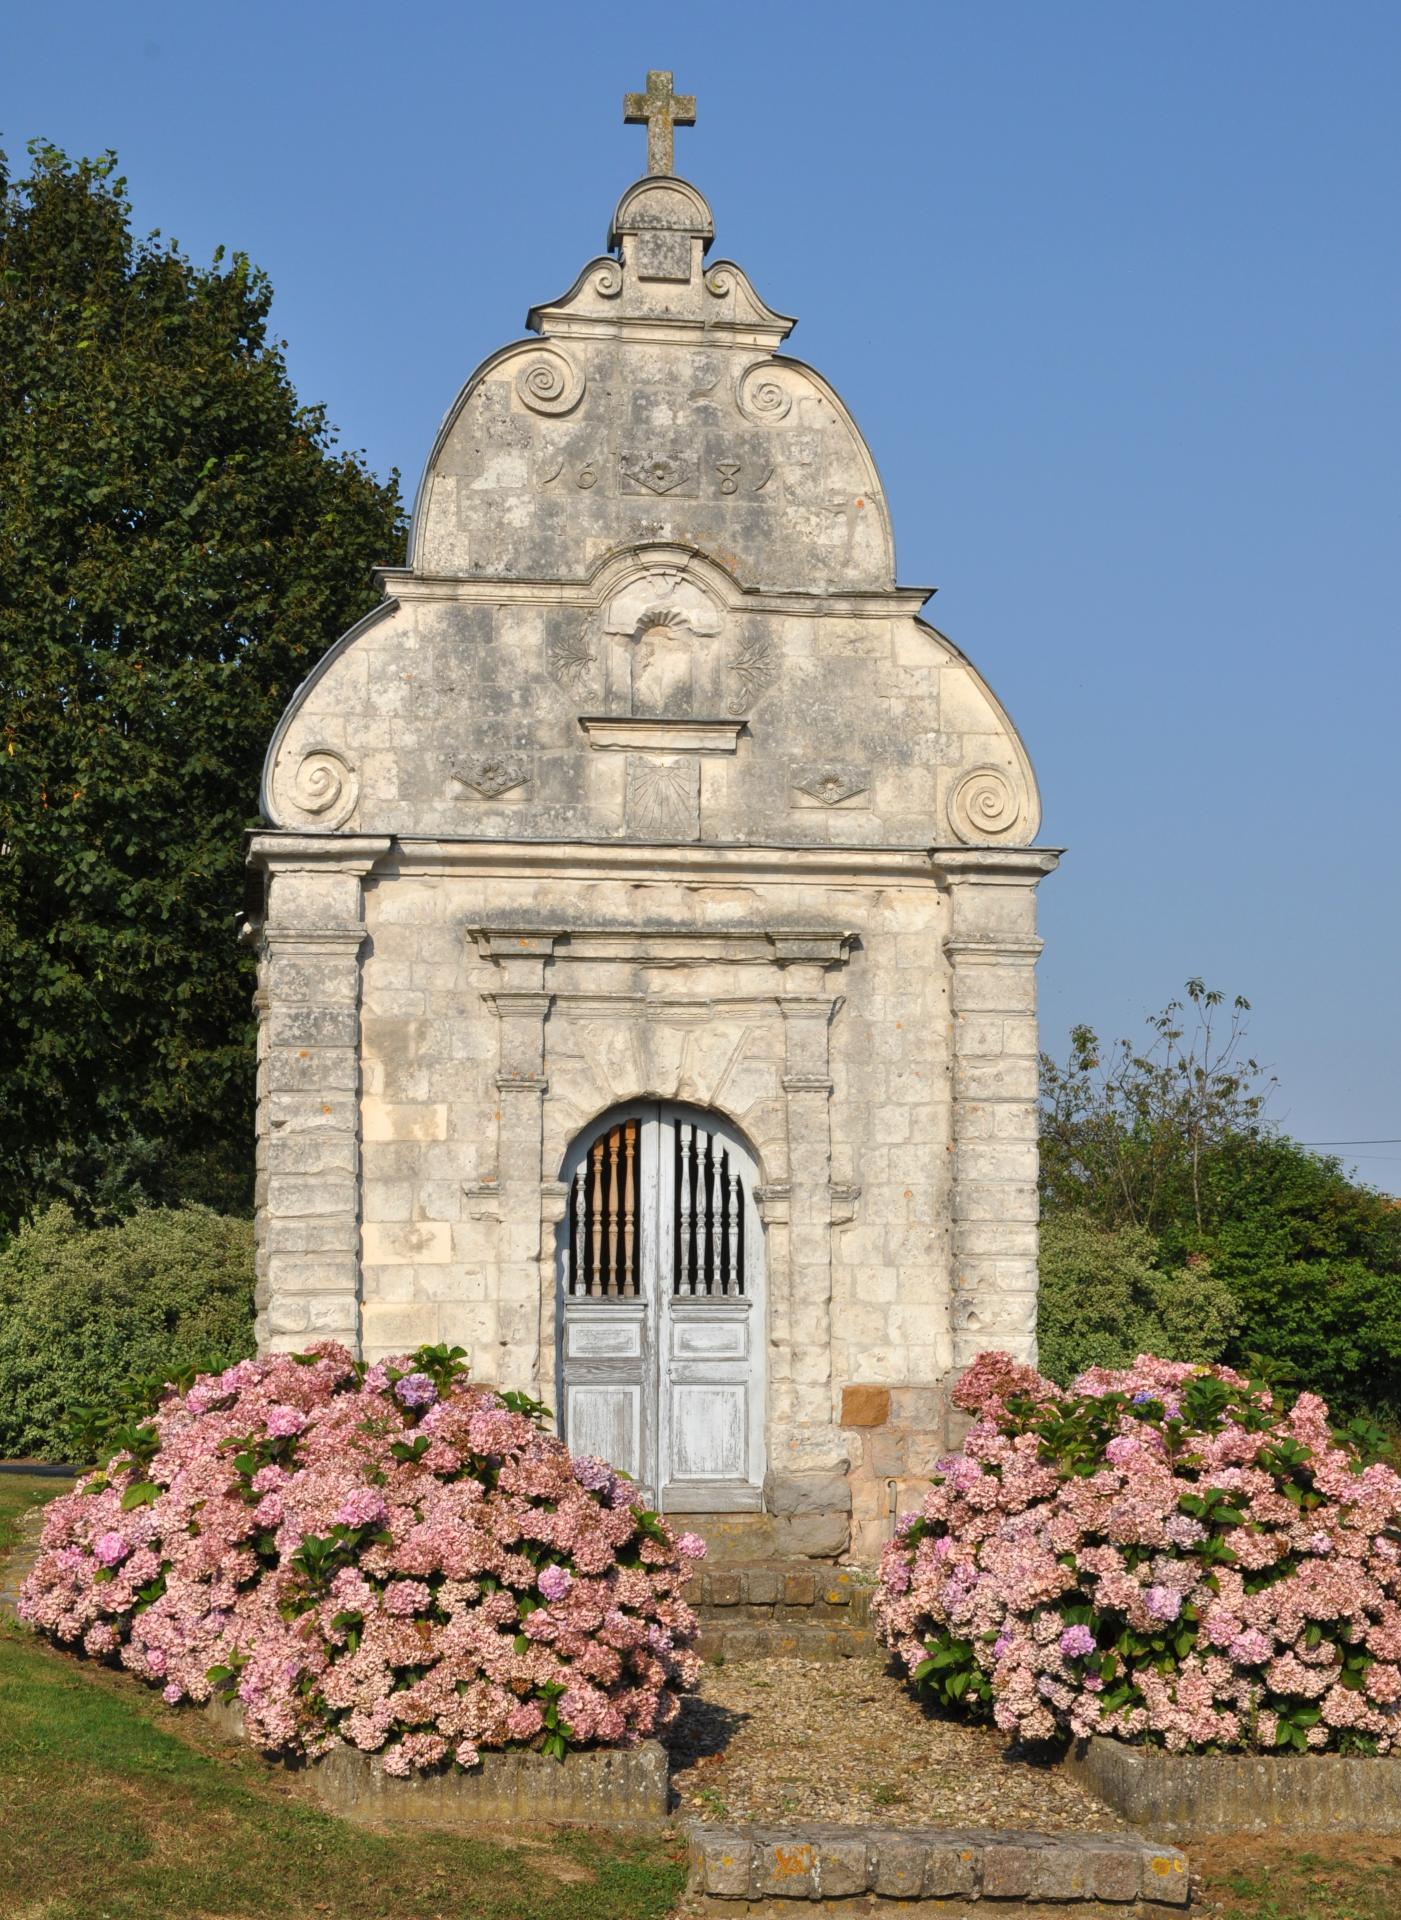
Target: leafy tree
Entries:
(179, 540)
(1315, 1263)
(1164, 1153)
(1125, 1132)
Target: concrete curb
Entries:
(1185, 1794)
(927, 1867)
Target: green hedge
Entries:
(1105, 1298)
(84, 1307)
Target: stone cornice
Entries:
(405, 586)
(993, 866)
(316, 852)
(984, 949)
(313, 939)
(724, 862)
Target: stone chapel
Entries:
(646, 920)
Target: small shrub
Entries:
(390, 1557)
(1104, 1299)
(1163, 1554)
(83, 1307)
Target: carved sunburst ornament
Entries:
(661, 798)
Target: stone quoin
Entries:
(646, 921)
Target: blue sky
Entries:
(1112, 290)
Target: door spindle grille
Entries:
(709, 1218)
(603, 1240)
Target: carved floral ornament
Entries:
(326, 786)
(491, 775)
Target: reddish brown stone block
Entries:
(865, 1406)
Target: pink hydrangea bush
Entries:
(390, 1557)
(1165, 1554)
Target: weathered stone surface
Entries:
(625, 795)
(801, 1493)
(842, 1868)
(1182, 1795)
(898, 1869)
(927, 1869)
(606, 1788)
(720, 1861)
(821, 1536)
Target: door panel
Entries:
(709, 1429)
(605, 1418)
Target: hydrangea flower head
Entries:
(415, 1390)
(283, 1422)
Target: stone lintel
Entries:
(668, 946)
(646, 734)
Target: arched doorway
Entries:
(661, 1306)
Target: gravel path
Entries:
(786, 1740)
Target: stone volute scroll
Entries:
(985, 805)
(321, 789)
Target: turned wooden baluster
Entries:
(578, 1251)
(736, 1277)
(613, 1283)
(715, 1278)
(596, 1249)
(629, 1206)
(686, 1279)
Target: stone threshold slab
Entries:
(934, 1870)
(1183, 1795)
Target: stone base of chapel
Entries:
(894, 1438)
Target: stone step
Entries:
(782, 1609)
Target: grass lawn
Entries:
(18, 1493)
(113, 1807)
(1335, 1877)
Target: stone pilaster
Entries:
(992, 948)
(522, 1007)
(806, 1488)
(308, 1209)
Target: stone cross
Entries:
(660, 110)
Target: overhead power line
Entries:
(1352, 1143)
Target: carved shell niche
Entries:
(325, 787)
(984, 805)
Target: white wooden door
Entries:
(662, 1310)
